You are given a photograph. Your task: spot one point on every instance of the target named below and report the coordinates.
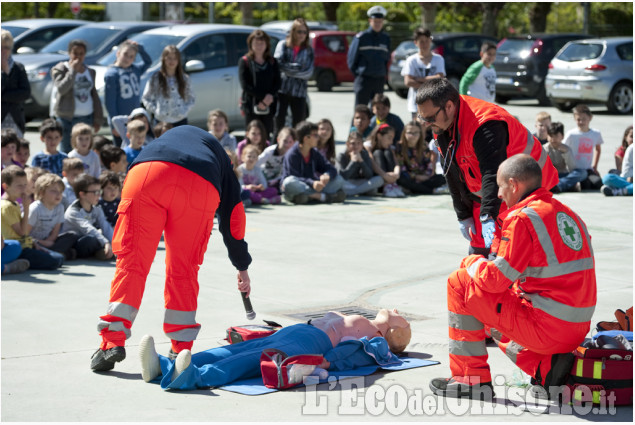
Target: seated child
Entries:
(82, 143)
(255, 135)
(356, 167)
(46, 217)
(306, 174)
(136, 133)
(120, 123)
(10, 145)
(32, 174)
(218, 126)
(21, 156)
(417, 170)
(114, 159)
(15, 225)
(383, 154)
(161, 127)
(270, 160)
(381, 109)
(98, 144)
(622, 184)
(50, 158)
(245, 195)
(543, 121)
(326, 144)
(586, 146)
(110, 195)
(254, 179)
(87, 219)
(562, 159)
(627, 140)
(71, 168)
(361, 122)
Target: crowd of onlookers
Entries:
(62, 203)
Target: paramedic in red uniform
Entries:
(174, 187)
(536, 298)
(473, 138)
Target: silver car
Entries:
(593, 71)
(210, 53)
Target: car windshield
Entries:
(15, 31)
(153, 44)
(581, 51)
(406, 46)
(515, 48)
(94, 38)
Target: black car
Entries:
(522, 63)
(459, 50)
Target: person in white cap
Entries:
(368, 57)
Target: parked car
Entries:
(460, 50)
(522, 63)
(30, 35)
(330, 49)
(210, 53)
(101, 38)
(593, 71)
(285, 26)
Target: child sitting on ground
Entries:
(71, 168)
(110, 195)
(562, 159)
(417, 170)
(270, 160)
(255, 135)
(383, 154)
(87, 219)
(218, 126)
(10, 145)
(114, 159)
(586, 145)
(32, 174)
(361, 121)
(543, 122)
(82, 143)
(245, 195)
(21, 156)
(46, 217)
(357, 168)
(50, 158)
(627, 140)
(621, 184)
(15, 224)
(381, 109)
(254, 179)
(136, 133)
(326, 144)
(98, 144)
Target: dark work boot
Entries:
(103, 360)
(448, 387)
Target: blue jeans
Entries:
(223, 365)
(10, 252)
(568, 181)
(292, 186)
(42, 260)
(614, 181)
(354, 187)
(67, 125)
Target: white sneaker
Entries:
(181, 363)
(150, 367)
(389, 191)
(398, 192)
(441, 189)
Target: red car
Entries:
(330, 49)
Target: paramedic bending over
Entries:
(174, 187)
(223, 365)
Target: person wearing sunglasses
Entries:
(474, 138)
(368, 57)
(295, 59)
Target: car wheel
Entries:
(543, 99)
(501, 99)
(325, 80)
(621, 99)
(563, 106)
(402, 93)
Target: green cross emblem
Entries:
(569, 231)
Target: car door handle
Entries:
(227, 77)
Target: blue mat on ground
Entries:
(254, 386)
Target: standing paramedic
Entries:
(368, 57)
(474, 137)
(174, 187)
(536, 298)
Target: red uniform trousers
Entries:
(159, 198)
(525, 335)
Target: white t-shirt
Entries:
(92, 166)
(415, 67)
(582, 146)
(43, 220)
(484, 87)
(627, 164)
(81, 91)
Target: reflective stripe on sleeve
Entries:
(471, 270)
(562, 311)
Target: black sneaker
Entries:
(300, 199)
(448, 387)
(336, 197)
(103, 360)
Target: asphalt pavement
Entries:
(361, 255)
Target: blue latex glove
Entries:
(488, 227)
(467, 225)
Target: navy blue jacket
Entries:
(200, 152)
(369, 54)
(294, 165)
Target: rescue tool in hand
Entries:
(249, 311)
